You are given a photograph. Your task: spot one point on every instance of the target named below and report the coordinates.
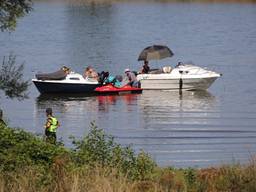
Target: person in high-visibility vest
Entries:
(51, 126)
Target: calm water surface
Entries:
(193, 129)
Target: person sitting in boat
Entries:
(145, 67)
(90, 73)
(131, 78)
(66, 69)
(103, 76)
(113, 80)
(87, 72)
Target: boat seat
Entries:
(167, 69)
(155, 71)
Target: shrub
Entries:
(11, 78)
(98, 148)
(190, 175)
(19, 148)
(97, 163)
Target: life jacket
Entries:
(113, 80)
(54, 125)
(110, 79)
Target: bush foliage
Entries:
(98, 163)
(11, 78)
(19, 149)
(100, 149)
(11, 10)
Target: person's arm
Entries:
(129, 75)
(94, 74)
(48, 123)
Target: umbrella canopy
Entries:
(155, 52)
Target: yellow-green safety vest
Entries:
(54, 125)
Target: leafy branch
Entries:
(11, 10)
(11, 79)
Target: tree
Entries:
(11, 10)
(11, 82)
(11, 79)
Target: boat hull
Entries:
(110, 89)
(174, 84)
(55, 87)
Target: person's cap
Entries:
(48, 110)
(126, 70)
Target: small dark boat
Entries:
(111, 89)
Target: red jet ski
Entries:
(111, 89)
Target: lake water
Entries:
(193, 129)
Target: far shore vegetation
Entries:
(98, 163)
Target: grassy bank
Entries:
(98, 163)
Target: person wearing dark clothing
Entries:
(51, 126)
(103, 76)
(145, 67)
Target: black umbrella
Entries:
(155, 52)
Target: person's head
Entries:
(146, 62)
(88, 68)
(65, 69)
(91, 70)
(48, 111)
(126, 71)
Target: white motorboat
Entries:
(183, 77)
(62, 82)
